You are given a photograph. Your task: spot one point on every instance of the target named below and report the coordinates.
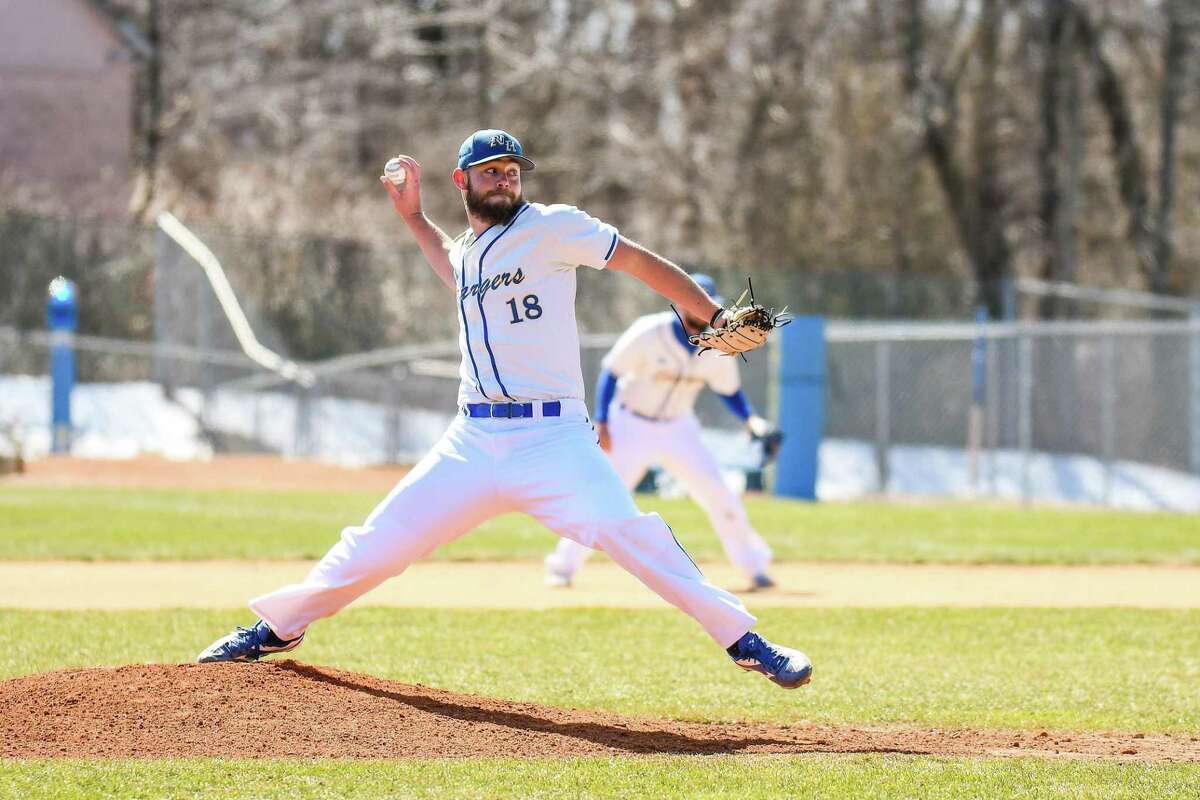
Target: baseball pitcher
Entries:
(645, 395)
(522, 439)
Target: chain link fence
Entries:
(387, 405)
(1062, 409)
(1093, 411)
(994, 409)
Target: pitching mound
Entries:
(288, 709)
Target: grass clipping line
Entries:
(286, 709)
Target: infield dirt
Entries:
(249, 472)
(294, 710)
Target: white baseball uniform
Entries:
(523, 441)
(651, 421)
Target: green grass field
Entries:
(1029, 668)
(1097, 669)
(120, 524)
(748, 778)
(1086, 669)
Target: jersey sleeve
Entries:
(581, 240)
(606, 390)
(738, 404)
(722, 376)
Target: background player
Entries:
(522, 440)
(648, 385)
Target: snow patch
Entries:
(123, 420)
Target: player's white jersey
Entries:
(659, 375)
(516, 299)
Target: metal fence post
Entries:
(1009, 309)
(1108, 408)
(1025, 410)
(164, 368)
(1194, 338)
(883, 422)
(393, 385)
(302, 443)
(259, 434)
(975, 414)
(992, 410)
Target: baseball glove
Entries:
(771, 441)
(746, 327)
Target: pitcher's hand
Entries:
(406, 198)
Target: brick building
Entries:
(68, 71)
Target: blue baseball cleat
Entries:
(762, 582)
(789, 668)
(248, 644)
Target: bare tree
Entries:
(972, 193)
(148, 114)
(992, 258)
(934, 138)
(1149, 229)
(1055, 209)
(1175, 47)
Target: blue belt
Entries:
(552, 408)
(629, 410)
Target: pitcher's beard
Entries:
(492, 213)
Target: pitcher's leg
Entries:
(577, 494)
(426, 509)
(628, 460)
(647, 548)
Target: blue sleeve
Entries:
(606, 390)
(738, 404)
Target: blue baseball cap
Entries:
(709, 286)
(488, 145)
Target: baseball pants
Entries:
(638, 443)
(548, 467)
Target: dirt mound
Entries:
(288, 709)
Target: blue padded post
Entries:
(801, 406)
(62, 315)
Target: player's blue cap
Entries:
(709, 286)
(489, 145)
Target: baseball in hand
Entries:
(394, 172)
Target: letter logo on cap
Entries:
(501, 140)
